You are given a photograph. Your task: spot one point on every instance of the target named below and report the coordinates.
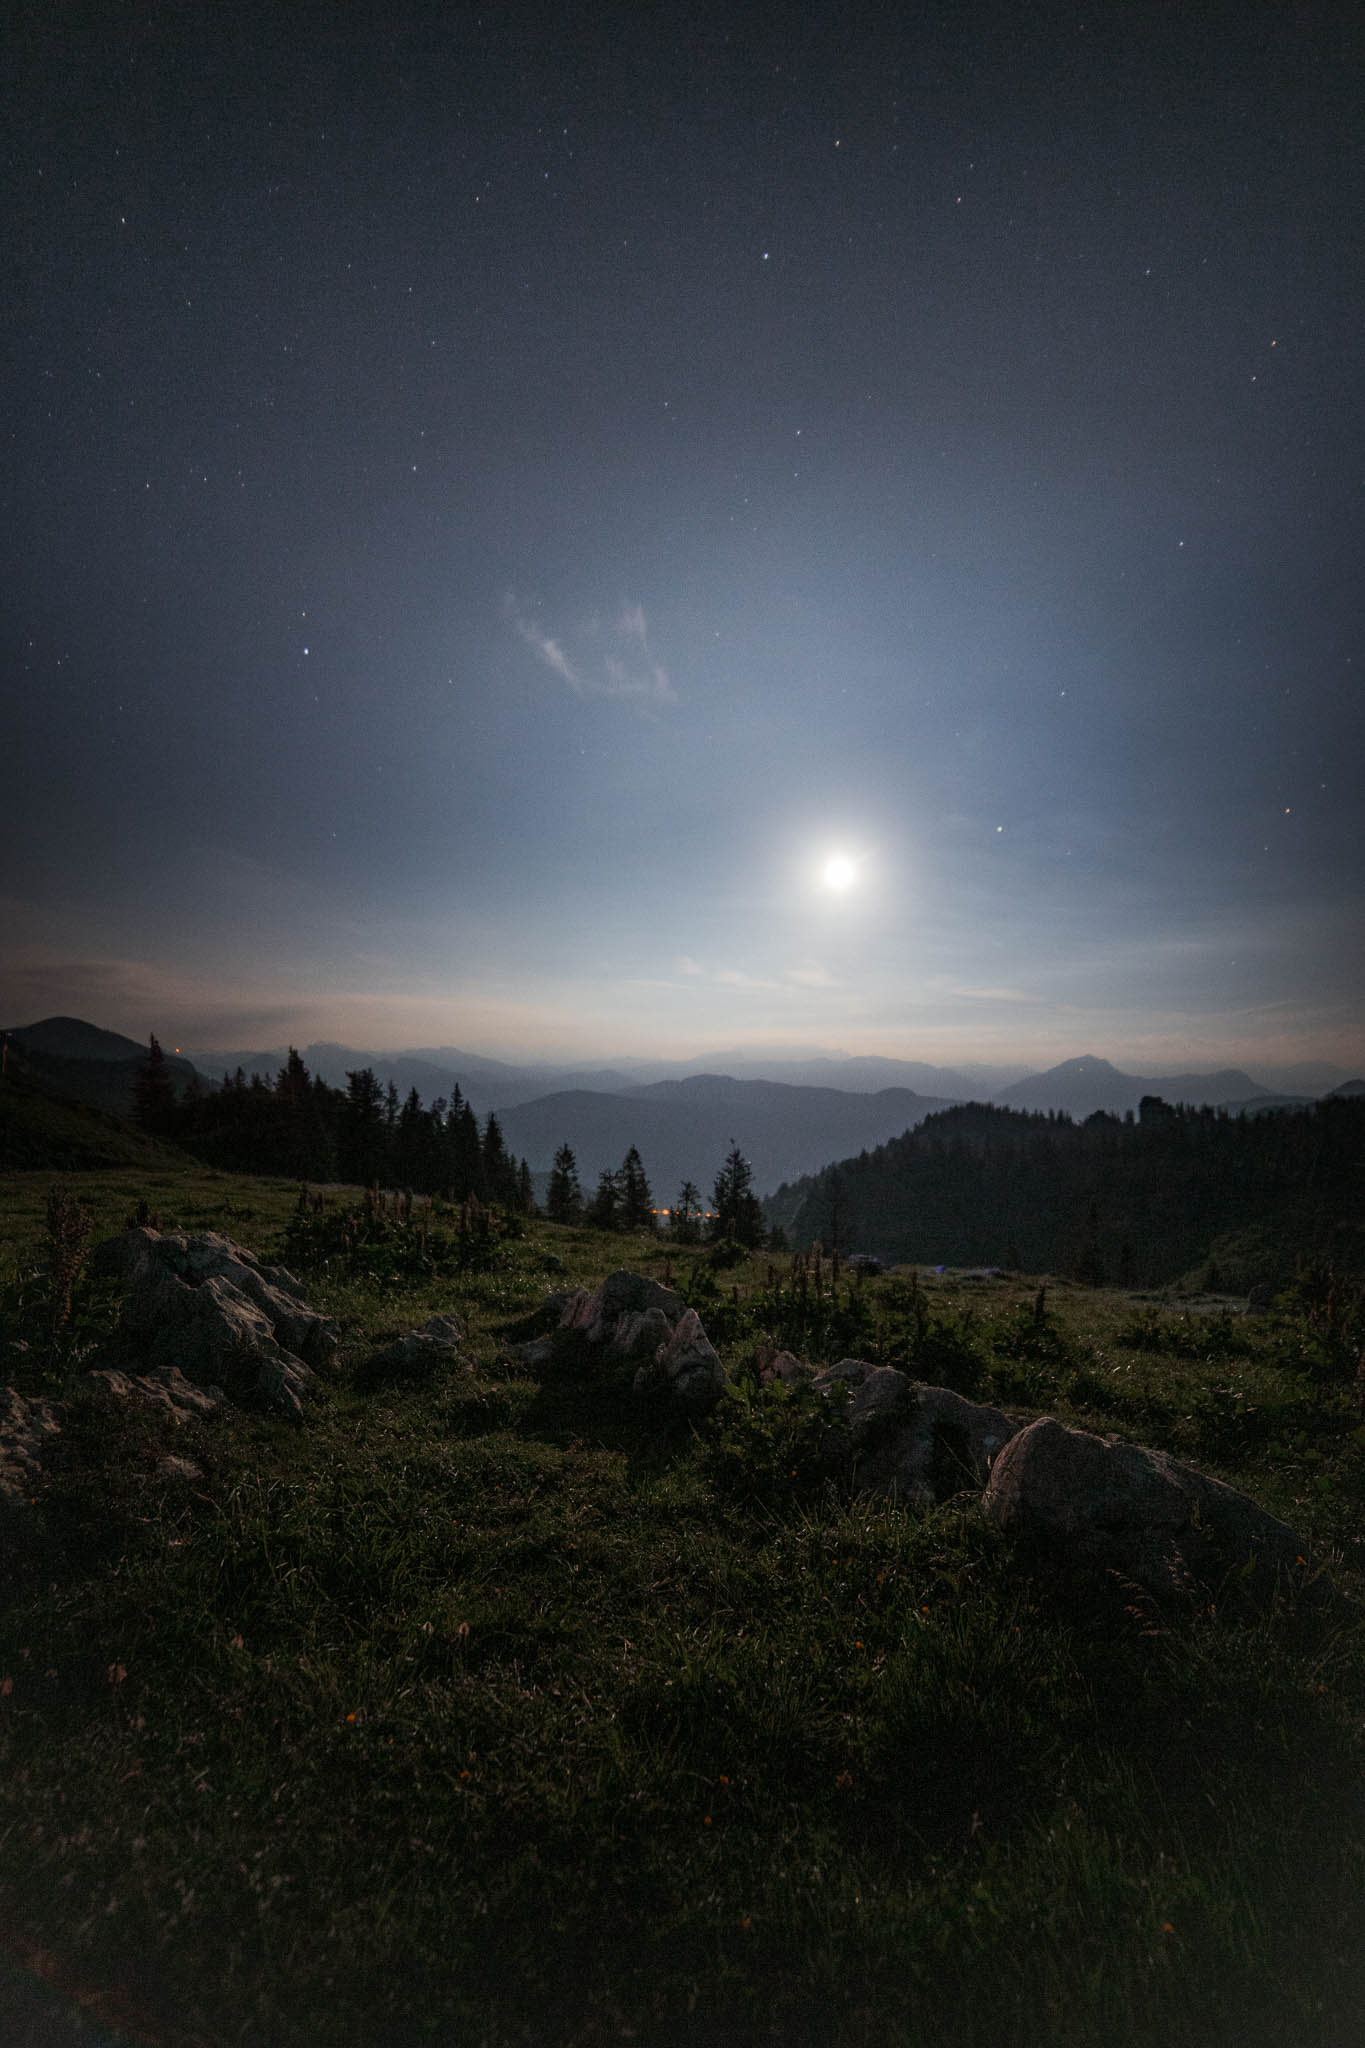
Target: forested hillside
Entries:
(1134, 1201)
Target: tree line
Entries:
(300, 1127)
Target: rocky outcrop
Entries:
(915, 1443)
(1139, 1512)
(209, 1307)
(632, 1320)
(594, 1314)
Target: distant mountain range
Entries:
(791, 1116)
(1084, 1085)
(684, 1129)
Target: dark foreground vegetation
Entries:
(485, 1709)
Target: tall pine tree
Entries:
(564, 1196)
(739, 1213)
(637, 1203)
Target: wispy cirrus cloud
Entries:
(606, 658)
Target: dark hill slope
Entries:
(79, 1061)
(1141, 1202)
(41, 1132)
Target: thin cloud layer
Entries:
(608, 660)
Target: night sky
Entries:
(495, 499)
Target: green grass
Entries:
(496, 1711)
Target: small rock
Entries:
(444, 1329)
(171, 1467)
(415, 1357)
(786, 1367)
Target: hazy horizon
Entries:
(1002, 1071)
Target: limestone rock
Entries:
(686, 1368)
(784, 1366)
(27, 1427)
(594, 1315)
(208, 1306)
(632, 1320)
(637, 1335)
(1135, 1511)
(165, 1386)
(447, 1330)
(918, 1444)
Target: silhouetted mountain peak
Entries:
(71, 1038)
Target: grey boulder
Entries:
(209, 1307)
(915, 1443)
(1171, 1529)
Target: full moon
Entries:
(840, 871)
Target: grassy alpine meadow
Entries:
(489, 1709)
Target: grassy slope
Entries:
(485, 1712)
(40, 1131)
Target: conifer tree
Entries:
(739, 1213)
(687, 1213)
(154, 1096)
(410, 1144)
(564, 1197)
(292, 1083)
(499, 1168)
(362, 1141)
(604, 1211)
(464, 1151)
(637, 1203)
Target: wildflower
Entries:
(706, 1820)
(350, 1717)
